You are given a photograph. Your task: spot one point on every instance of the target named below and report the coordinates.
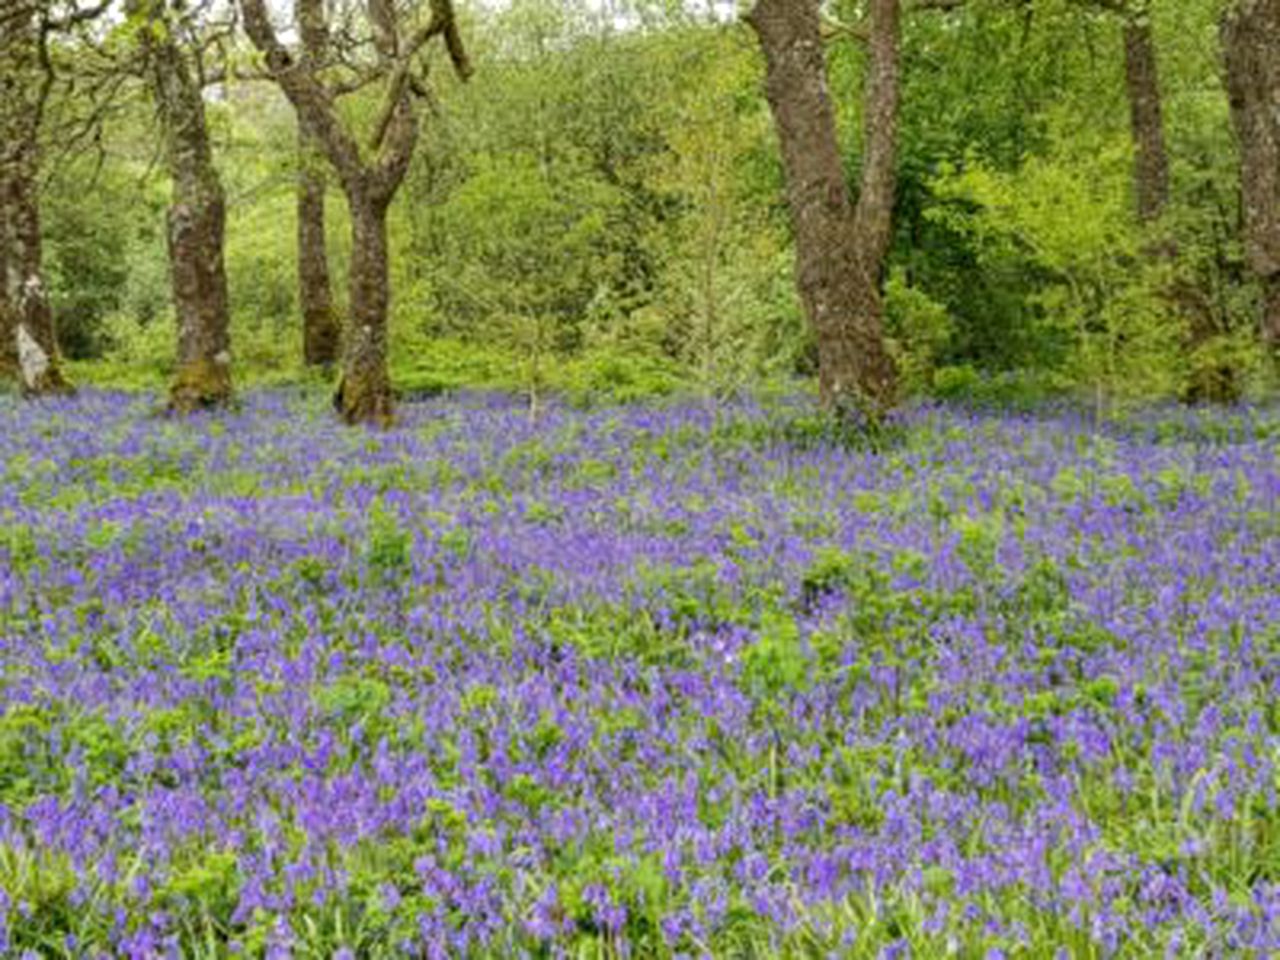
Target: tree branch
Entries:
(443, 22)
(834, 29)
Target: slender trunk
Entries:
(364, 392)
(196, 219)
(1251, 51)
(1142, 83)
(1206, 382)
(838, 280)
(321, 332)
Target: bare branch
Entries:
(834, 29)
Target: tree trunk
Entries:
(196, 220)
(1142, 83)
(1251, 50)
(30, 347)
(321, 332)
(364, 391)
(839, 250)
(1271, 311)
(35, 343)
(874, 213)
(8, 326)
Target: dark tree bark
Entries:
(8, 326)
(321, 330)
(1251, 51)
(196, 217)
(840, 245)
(1146, 120)
(364, 392)
(29, 345)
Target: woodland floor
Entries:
(638, 681)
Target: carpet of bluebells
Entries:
(650, 681)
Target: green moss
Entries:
(201, 385)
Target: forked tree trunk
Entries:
(1251, 51)
(364, 392)
(840, 248)
(30, 347)
(196, 218)
(321, 332)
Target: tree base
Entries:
(1215, 385)
(202, 385)
(361, 402)
(52, 383)
(322, 344)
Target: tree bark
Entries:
(30, 347)
(1251, 51)
(1271, 311)
(8, 324)
(35, 343)
(840, 247)
(1146, 120)
(196, 227)
(196, 218)
(321, 331)
(874, 213)
(364, 393)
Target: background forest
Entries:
(602, 208)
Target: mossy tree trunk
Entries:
(29, 346)
(8, 325)
(840, 245)
(321, 331)
(364, 392)
(196, 217)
